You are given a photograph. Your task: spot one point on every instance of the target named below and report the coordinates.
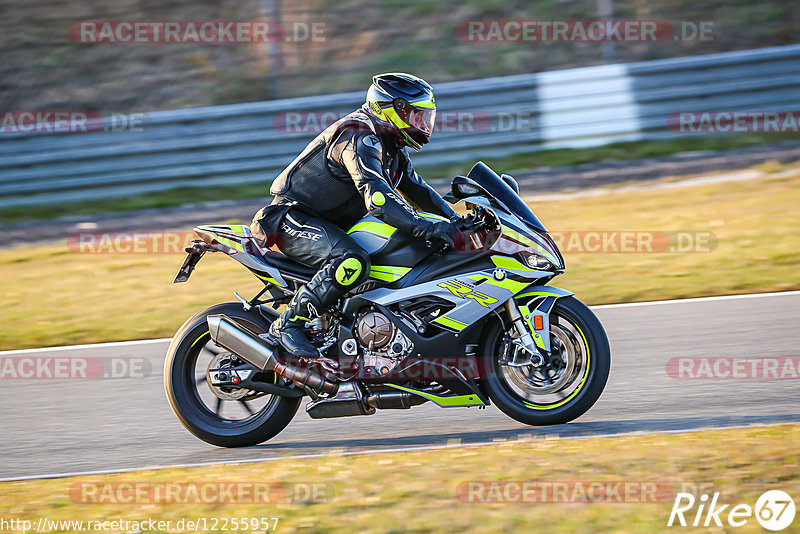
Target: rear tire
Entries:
(182, 391)
(588, 384)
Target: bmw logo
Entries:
(499, 274)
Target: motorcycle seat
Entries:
(284, 263)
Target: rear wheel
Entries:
(226, 417)
(566, 384)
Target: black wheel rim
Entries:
(238, 412)
(563, 377)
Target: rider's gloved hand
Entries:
(441, 231)
(461, 221)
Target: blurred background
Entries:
(224, 118)
(42, 68)
(184, 132)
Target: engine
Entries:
(383, 344)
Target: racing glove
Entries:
(440, 231)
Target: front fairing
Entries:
(521, 232)
(502, 193)
(517, 237)
(514, 237)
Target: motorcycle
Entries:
(462, 326)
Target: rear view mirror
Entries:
(463, 187)
(512, 183)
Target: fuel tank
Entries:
(393, 252)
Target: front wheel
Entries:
(570, 380)
(226, 417)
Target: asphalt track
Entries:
(73, 426)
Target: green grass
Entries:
(53, 296)
(632, 150)
(162, 199)
(518, 162)
(418, 492)
(754, 224)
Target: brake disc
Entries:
(526, 377)
(221, 361)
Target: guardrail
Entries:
(491, 117)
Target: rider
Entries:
(357, 165)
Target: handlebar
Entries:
(478, 219)
(468, 225)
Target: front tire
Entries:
(201, 409)
(523, 395)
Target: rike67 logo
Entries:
(774, 510)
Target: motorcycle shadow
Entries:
(569, 430)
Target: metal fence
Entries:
(492, 117)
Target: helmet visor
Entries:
(422, 119)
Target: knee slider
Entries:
(351, 269)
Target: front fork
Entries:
(531, 322)
(525, 340)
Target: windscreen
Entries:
(495, 185)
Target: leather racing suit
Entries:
(348, 170)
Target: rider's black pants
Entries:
(341, 262)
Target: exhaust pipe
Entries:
(394, 400)
(246, 344)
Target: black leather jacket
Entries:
(350, 169)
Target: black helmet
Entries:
(403, 104)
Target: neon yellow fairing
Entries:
(387, 273)
(377, 228)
